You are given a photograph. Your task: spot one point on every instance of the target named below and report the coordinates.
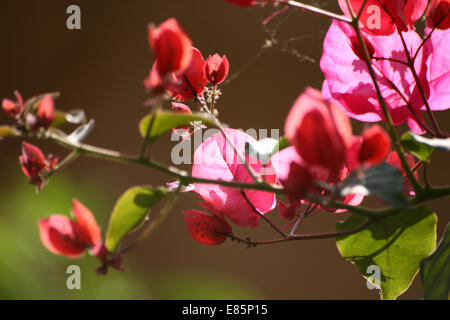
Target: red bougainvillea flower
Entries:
(189, 83)
(33, 164)
(348, 81)
(205, 228)
(45, 114)
(171, 45)
(287, 212)
(108, 259)
(382, 17)
(375, 145)
(181, 108)
(154, 82)
(286, 164)
(436, 50)
(13, 109)
(242, 3)
(438, 15)
(70, 238)
(319, 130)
(215, 159)
(217, 68)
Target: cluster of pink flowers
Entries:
(392, 46)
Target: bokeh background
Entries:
(101, 69)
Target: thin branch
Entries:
(309, 8)
(263, 215)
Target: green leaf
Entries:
(165, 121)
(129, 212)
(383, 181)
(435, 271)
(283, 143)
(420, 150)
(396, 245)
(8, 131)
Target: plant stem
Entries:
(309, 8)
(312, 236)
(416, 186)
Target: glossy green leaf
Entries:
(396, 245)
(383, 181)
(130, 211)
(165, 121)
(435, 271)
(420, 150)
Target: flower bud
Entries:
(171, 45)
(216, 69)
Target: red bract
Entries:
(215, 159)
(171, 45)
(207, 229)
(45, 112)
(33, 164)
(70, 238)
(216, 69)
(296, 177)
(190, 82)
(242, 3)
(154, 82)
(382, 17)
(287, 212)
(375, 145)
(348, 81)
(181, 108)
(438, 15)
(319, 130)
(13, 109)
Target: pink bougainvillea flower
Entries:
(382, 17)
(33, 164)
(438, 15)
(13, 109)
(70, 238)
(217, 68)
(348, 81)
(242, 3)
(205, 228)
(190, 82)
(215, 159)
(319, 130)
(108, 259)
(171, 45)
(436, 50)
(375, 145)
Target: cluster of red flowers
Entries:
(71, 238)
(179, 68)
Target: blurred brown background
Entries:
(101, 69)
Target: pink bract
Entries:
(215, 159)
